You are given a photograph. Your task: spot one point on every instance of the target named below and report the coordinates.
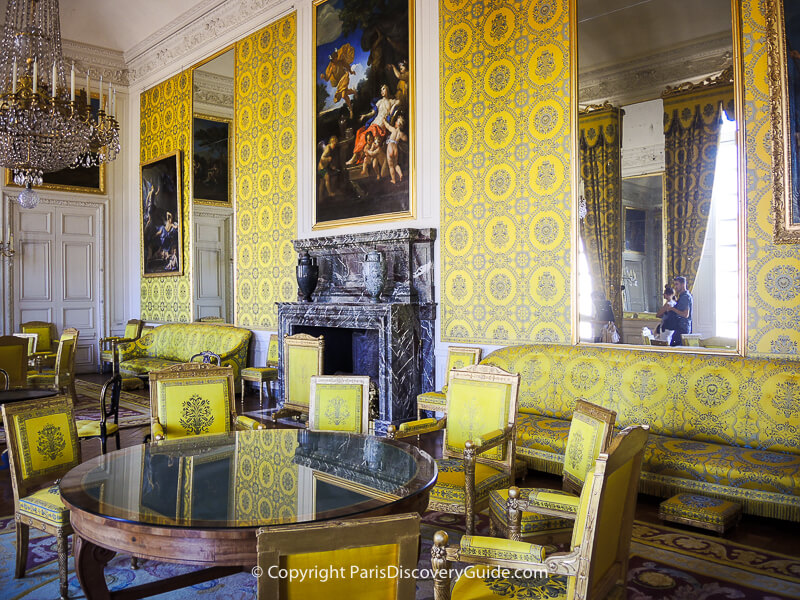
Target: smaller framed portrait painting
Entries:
(162, 215)
(211, 160)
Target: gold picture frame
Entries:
(203, 161)
(161, 202)
(368, 174)
(784, 80)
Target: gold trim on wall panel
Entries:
(505, 151)
(574, 222)
(265, 122)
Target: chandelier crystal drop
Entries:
(45, 125)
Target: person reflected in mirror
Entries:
(603, 315)
(668, 318)
(682, 309)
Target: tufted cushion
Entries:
(450, 484)
(45, 505)
(531, 522)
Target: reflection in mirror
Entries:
(211, 185)
(658, 173)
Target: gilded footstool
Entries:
(701, 511)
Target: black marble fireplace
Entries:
(391, 341)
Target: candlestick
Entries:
(114, 104)
(72, 84)
(88, 97)
(53, 82)
(14, 77)
(100, 104)
(35, 75)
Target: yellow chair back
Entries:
(273, 351)
(302, 359)
(192, 399)
(32, 340)
(339, 403)
(132, 329)
(46, 333)
(590, 433)
(459, 357)
(14, 359)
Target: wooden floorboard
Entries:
(769, 534)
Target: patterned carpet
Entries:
(666, 564)
(134, 411)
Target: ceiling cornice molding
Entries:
(210, 20)
(102, 61)
(646, 77)
(210, 88)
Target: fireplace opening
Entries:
(347, 350)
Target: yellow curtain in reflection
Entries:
(692, 121)
(601, 231)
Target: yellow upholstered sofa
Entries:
(722, 426)
(176, 343)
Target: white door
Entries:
(213, 279)
(58, 272)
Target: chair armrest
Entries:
(498, 548)
(157, 430)
(415, 428)
(247, 424)
(555, 503)
(492, 439)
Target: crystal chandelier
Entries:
(44, 125)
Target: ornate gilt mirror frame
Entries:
(786, 214)
(738, 92)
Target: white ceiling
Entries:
(116, 24)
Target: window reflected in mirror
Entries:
(211, 186)
(657, 174)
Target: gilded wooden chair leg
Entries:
(469, 487)
(242, 389)
(63, 557)
(440, 564)
(514, 515)
(22, 549)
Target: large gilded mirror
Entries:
(658, 173)
(211, 186)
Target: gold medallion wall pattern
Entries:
(166, 126)
(266, 172)
(505, 184)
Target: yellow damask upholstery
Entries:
(42, 447)
(62, 375)
(14, 359)
(458, 357)
(109, 409)
(596, 564)
(302, 359)
(262, 375)
(108, 345)
(46, 332)
(176, 343)
(339, 403)
(534, 522)
(194, 399)
(700, 511)
(372, 545)
(450, 488)
(736, 404)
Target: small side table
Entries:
(701, 511)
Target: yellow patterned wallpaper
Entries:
(266, 172)
(505, 171)
(166, 125)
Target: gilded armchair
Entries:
(108, 345)
(339, 403)
(388, 544)
(302, 359)
(479, 439)
(42, 447)
(551, 511)
(458, 357)
(194, 399)
(597, 561)
(62, 376)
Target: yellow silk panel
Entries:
(45, 442)
(498, 548)
(338, 407)
(475, 408)
(166, 126)
(457, 360)
(266, 172)
(745, 402)
(266, 478)
(273, 351)
(194, 407)
(505, 163)
(583, 447)
(43, 342)
(132, 331)
(302, 363)
(366, 582)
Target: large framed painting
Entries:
(363, 111)
(783, 44)
(162, 213)
(83, 180)
(211, 160)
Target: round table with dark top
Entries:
(7, 396)
(199, 500)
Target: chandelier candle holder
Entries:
(44, 125)
(7, 246)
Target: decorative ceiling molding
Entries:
(209, 20)
(102, 61)
(212, 89)
(646, 77)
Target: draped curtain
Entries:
(601, 228)
(692, 123)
